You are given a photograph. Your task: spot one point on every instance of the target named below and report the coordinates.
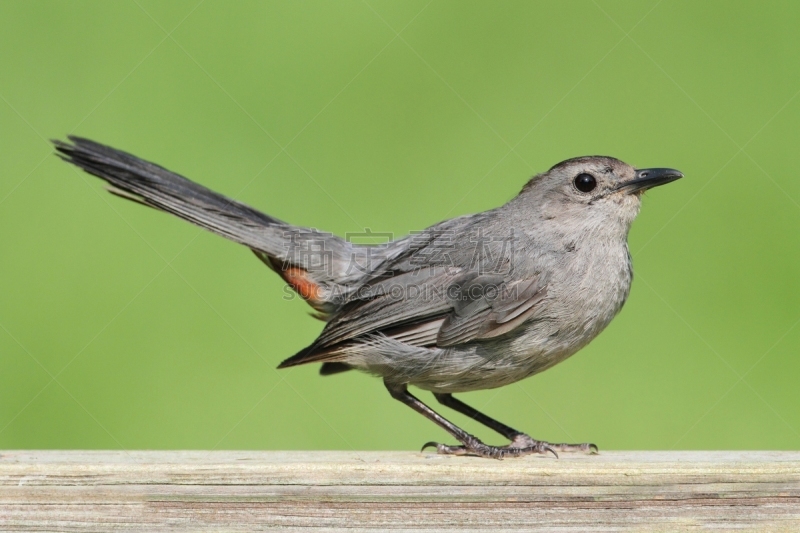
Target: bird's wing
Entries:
(487, 306)
(396, 303)
(430, 310)
(438, 289)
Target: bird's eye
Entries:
(585, 182)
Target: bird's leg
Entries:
(457, 405)
(517, 438)
(470, 445)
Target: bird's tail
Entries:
(157, 187)
(277, 243)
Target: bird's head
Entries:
(595, 189)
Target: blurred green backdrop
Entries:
(124, 328)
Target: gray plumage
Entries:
(474, 302)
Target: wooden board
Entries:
(379, 491)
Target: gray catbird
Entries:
(474, 302)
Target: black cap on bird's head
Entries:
(593, 188)
(597, 176)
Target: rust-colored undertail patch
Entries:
(299, 280)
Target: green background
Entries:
(125, 328)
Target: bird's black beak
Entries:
(647, 178)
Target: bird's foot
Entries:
(477, 448)
(521, 440)
(520, 445)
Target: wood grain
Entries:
(378, 491)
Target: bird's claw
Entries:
(520, 445)
(521, 440)
(430, 444)
(586, 447)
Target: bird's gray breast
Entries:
(587, 287)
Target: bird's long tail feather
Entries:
(149, 184)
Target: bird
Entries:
(474, 302)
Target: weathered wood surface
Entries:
(255, 491)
